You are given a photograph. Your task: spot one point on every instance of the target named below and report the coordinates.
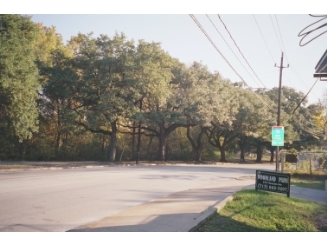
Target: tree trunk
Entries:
(242, 154)
(197, 149)
(223, 156)
(198, 154)
(58, 137)
(103, 147)
(112, 144)
(133, 152)
(122, 151)
(162, 144)
(22, 147)
(259, 151)
(272, 149)
(166, 151)
(148, 147)
(241, 144)
(139, 136)
(138, 143)
(58, 140)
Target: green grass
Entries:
(311, 184)
(14, 166)
(257, 211)
(311, 181)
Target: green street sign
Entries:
(277, 136)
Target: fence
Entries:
(305, 161)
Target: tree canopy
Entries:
(90, 98)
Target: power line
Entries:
(297, 74)
(276, 33)
(265, 43)
(293, 70)
(280, 33)
(312, 132)
(305, 96)
(285, 76)
(205, 33)
(300, 34)
(263, 38)
(207, 36)
(230, 48)
(241, 52)
(243, 56)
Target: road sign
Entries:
(277, 136)
(273, 182)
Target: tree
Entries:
(57, 95)
(249, 120)
(105, 91)
(153, 75)
(205, 98)
(291, 118)
(162, 117)
(221, 133)
(19, 76)
(253, 122)
(48, 40)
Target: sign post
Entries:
(277, 140)
(273, 182)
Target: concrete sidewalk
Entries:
(183, 211)
(309, 194)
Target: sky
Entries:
(261, 36)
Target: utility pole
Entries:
(279, 104)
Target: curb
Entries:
(218, 207)
(50, 168)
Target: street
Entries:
(62, 199)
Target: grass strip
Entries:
(258, 211)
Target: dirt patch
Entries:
(320, 222)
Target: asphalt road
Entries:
(62, 199)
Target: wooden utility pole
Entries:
(279, 104)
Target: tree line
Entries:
(111, 99)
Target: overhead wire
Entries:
(231, 48)
(268, 46)
(240, 51)
(276, 33)
(304, 97)
(205, 33)
(300, 34)
(299, 104)
(266, 42)
(208, 37)
(312, 132)
(241, 54)
(284, 50)
(285, 76)
(263, 38)
(280, 33)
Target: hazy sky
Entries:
(182, 38)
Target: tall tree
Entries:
(56, 98)
(205, 99)
(105, 92)
(19, 75)
(251, 119)
(221, 133)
